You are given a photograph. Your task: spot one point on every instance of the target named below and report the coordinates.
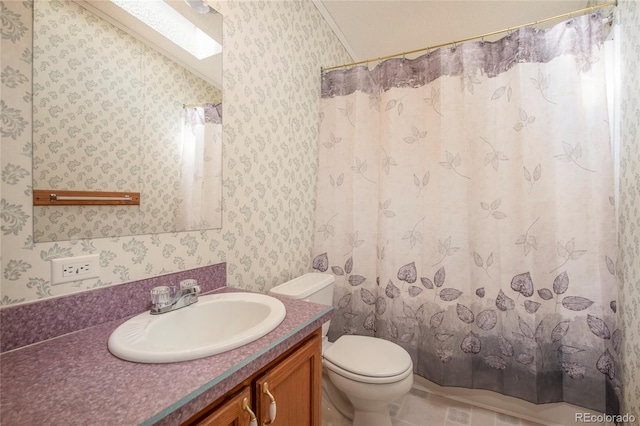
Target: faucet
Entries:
(166, 299)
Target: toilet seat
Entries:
(368, 359)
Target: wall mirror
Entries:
(117, 107)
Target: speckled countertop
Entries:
(74, 379)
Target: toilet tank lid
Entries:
(303, 286)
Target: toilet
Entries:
(362, 374)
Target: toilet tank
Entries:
(312, 287)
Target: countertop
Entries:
(74, 379)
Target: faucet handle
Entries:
(187, 284)
(160, 295)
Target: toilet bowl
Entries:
(362, 374)
(371, 373)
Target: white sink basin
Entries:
(216, 323)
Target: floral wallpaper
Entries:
(628, 17)
(273, 51)
(107, 116)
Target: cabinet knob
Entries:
(272, 405)
(245, 407)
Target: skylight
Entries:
(165, 20)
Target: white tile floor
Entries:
(421, 408)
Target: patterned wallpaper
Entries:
(107, 115)
(272, 59)
(628, 16)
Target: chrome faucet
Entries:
(166, 299)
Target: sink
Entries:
(215, 323)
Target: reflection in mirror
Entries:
(114, 113)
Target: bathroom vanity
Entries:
(290, 387)
(74, 379)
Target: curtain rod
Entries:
(564, 15)
(215, 101)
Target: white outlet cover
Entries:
(57, 265)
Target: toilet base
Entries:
(336, 397)
(371, 412)
(340, 402)
(372, 418)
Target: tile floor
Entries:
(422, 408)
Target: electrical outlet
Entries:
(74, 268)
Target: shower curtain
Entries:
(465, 206)
(200, 170)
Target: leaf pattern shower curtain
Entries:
(199, 196)
(465, 207)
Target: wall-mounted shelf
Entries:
(50, 197)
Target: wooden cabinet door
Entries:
(295, 385)
(233, 413)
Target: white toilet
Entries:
(362, 374)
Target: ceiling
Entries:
(371, 29)
(208, 69)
